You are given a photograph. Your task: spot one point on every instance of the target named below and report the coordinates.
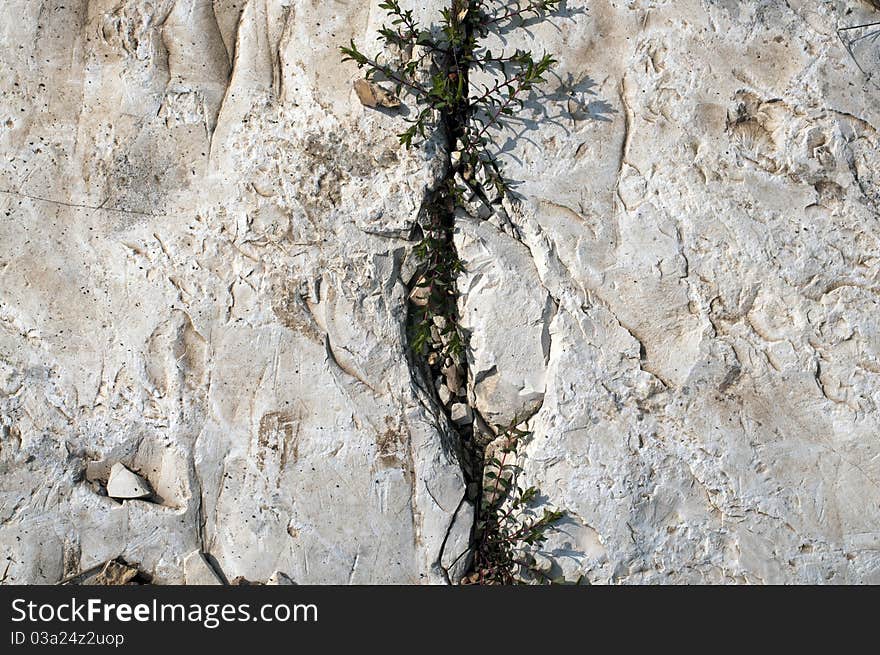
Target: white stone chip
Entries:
(461, 414)
(279, 578)
(125, 484)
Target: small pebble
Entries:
(461, 414)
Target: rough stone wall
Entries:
(708, 230)
(203, 275)
(202, 244)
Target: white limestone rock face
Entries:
(201, 241)
(506, 312)
(704, 214)
(279, 579)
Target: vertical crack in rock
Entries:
(444, 372)
(438, 355)
(467, 193)
(201, 529)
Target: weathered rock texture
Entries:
(203, 257)
(705, 217)
(202, 241)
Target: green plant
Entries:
(433, 66)
(436, 286)
(506, 525)
(870, 35)
(451, 53)
(467, 95)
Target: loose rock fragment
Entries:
(97, 471)
(279, 578)
(114, 573)
(461, 414)
(111, 573)
(241, 581)
(542, 563)
(125, 484)
(421, 293)
(373, 95)
(453, 378)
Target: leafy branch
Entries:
(449, 53)
(507, 526)
(432, 66)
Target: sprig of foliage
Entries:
(507, 526)
(449, 53)
(432, 66)
(436, 287)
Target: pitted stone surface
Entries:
(204, 262)
(201, 245)
(704, 214)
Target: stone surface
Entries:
(704, 214)
(125, 484)
(507, 313)
(112, 573)
(202, 233)
(461, 414)
(197, 571)
(204, 273)
(279, 578)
